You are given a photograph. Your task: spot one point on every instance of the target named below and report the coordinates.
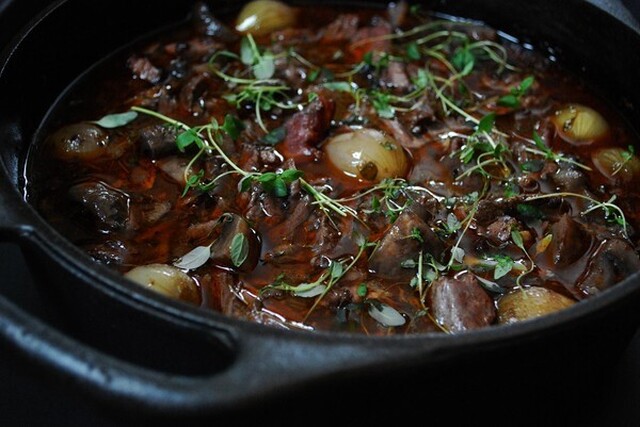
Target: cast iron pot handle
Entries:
(263, 369)
(264, 362)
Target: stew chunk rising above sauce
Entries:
(377, 171)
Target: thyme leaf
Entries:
(112, 121)
(239, 249)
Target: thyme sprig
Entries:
(207, 138)
(319, 288)
(544, 150)
(263, 90)
(611, 210)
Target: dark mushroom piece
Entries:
(569, 242)
(614, 260)
(107, 204)
(236, 231)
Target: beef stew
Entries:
(369, 171)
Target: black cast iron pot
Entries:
(131, 350)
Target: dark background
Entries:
(31, 397)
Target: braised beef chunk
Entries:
(409, 235)
(209, 25)
(157, 141)
(499, 232)
(362, 170)
(570, 178)
(489, 210)
(143, 69)
(460, 304)
(343, 28)
(395, 77)
(613, 261)
(305, 129)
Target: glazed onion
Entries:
(80, 141)
(579, 124)
(530, 303)
(367, 154)
(261, 17)
(616, 163)
(166, 280)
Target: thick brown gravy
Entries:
(449, 179)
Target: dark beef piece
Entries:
(143, 69)
(264, 207)
(376, 220)
(490, 209)
(371, 39)
(398, 12)
(569, 242)
(397, 245)
(498, 232)
(306, 128)
(221, 292)
(420, 116)
(569, 178)
(288, 253)
(460, 304)
(173, 167)
(208, 25)
(110, 252)
(152, 212)
(402, 135)
(108, 205)
(157, 141)
(201, 231)
(310, 236)
(203, 47)
(344, 27)
(221, 249)
(292, 72)
(326, 238)
(394, 77)
(193, 94)
(613, 261)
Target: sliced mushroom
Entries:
(569, 242)
(614, 260)
(236, 228)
